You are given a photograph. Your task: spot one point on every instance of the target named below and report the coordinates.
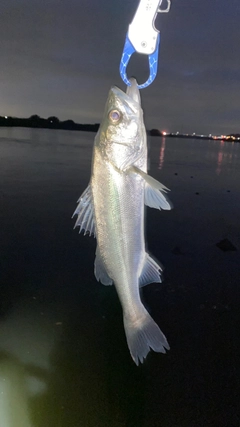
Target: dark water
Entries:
(63, 355)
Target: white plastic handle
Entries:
(142, 32)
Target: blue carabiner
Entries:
(128, 50)
(144, 38)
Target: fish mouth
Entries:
(131, 96)
(133, 91)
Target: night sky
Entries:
(60, 57)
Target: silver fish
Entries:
(112, 208)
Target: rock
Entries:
(225, 245)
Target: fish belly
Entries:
(119, 218)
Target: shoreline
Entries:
(229, 138)
(36, 122)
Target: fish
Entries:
(112, 208)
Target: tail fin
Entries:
(144, 335)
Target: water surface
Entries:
(63, 353)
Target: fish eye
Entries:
(114, 116)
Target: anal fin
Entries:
(151, 272)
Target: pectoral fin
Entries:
(100, 270)
(151, 272)
(154, 197)
(85, 212)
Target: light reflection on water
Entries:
(63, 353)
(162, 151)
(222, 152)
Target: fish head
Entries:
(122, 134)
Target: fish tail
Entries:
(143, 335)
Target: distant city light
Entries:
(164, 133)
(6, 117)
